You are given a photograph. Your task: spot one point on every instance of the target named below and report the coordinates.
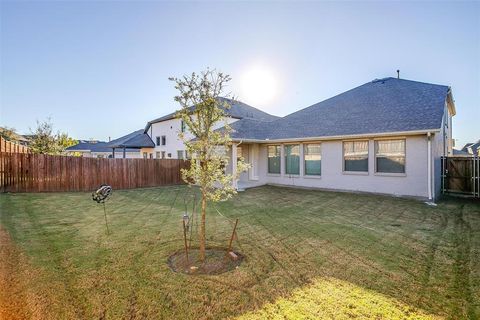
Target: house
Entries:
(10, 135)
(136, 144)
(385, 136)
(472, 148)
(164, 131)
(461, 153)
(90, 149)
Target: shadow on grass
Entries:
(309, 254)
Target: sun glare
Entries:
(258, 85)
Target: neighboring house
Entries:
(386, 136)
(461, 153)
(164, 130)
(133, 145)
(10, 135)
(472, 148)
(90, 149)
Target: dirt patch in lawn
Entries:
(16, 300)
(217, 261)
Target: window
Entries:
(390, 156)
(158, 141)
(164, 140)
(180, 154)
(157, 154)
(182, 126)
(292, 159)
(187, 155)
(151, 155)
(273, 159)
(163, 154)
(144, 155)
(355, 156)
(313, 159)
(169, 155)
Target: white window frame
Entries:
(392, 174)
(280, 156)
(362, 173)
(304, 161)
(285, 159)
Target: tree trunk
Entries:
(202, 229)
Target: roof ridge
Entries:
(416, 81)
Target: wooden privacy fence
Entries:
(8, 146)
(461, 176)
(23, 172)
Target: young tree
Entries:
(64, 141)
(202, 112)
(46, 142)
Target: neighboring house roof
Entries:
(461, 153)
(381, 106)
(137, 139)
(237, 110)
(15, 137)
(472, 148)
(97, 146)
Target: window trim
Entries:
(389, 174)
(285, 159)
(305, 174)
(274, 174)
(361, 173)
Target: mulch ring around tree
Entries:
(217, 261)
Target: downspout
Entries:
(429, 165)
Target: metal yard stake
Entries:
(185, 238)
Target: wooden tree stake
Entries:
(233, 234)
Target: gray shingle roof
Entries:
(137, 139)
(461, 153)
(380, 106)
(237, 110)
(98, 146)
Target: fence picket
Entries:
(25, 172)
(461, 176)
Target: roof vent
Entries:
(398, 74)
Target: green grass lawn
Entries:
(309, 255)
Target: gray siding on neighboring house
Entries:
(413, 183)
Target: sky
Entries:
(100, 69)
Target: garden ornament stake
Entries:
(100, 196)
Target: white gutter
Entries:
(342, 137)
(429, 165)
